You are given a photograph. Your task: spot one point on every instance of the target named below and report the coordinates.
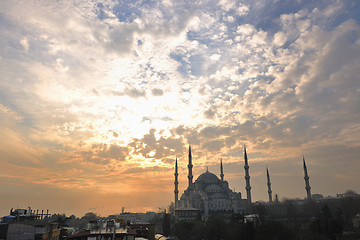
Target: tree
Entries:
(325, 226)
(216, 229)
(171, 209)
(184, 230)
(166, 224)
(90, 216)
(260, 210)
(272, 230)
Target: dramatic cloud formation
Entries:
(98, 98)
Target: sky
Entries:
(98, 98)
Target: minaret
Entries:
(269, 185)
(190, 166)
(306, 177)
(247, 177)
(221, 170)
(176, 185)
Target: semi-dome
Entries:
(213, 188)
(208, 177)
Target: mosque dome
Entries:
(213, 188)
(208, 177)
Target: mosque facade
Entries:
(209, 195)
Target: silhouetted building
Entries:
(247, 177)
(307, 183)
(208, 196)
(269, 185)
(109, 229)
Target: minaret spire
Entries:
(269, 184)
(306, 177)
(221, 170)
(176, 185)
(247, 177)
(190, 166)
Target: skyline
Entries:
(98, 98)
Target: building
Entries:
(29, 231)
(209, 196)
(106, 230)
(25, 224)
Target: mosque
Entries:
(210, 196)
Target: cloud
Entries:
(209, 113)
(25, 43)
(135, 93)
(213, 145)
(16, 150)
(114, 152)
(280, 38)
(157, 92)
(121, 38)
